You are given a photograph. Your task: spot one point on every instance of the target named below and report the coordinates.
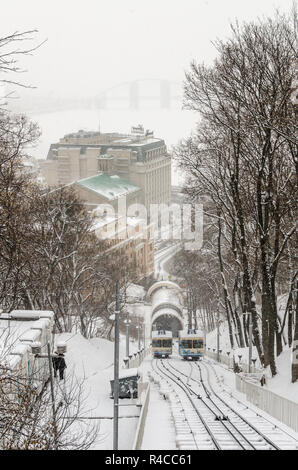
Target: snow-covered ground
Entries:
(91, 361)
(162, 257)
(225, 380)
(158, 418)
(280, 384)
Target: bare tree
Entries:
(244, 157)
(27, 420)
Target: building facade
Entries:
(139, 158)
(129, 237)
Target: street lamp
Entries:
(116, 368)
(127, 323)
(139, 333)
(126, 362)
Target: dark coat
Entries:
(59, 362)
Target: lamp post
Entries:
(127, 321)
(116, 369)
(250, 343)
(139, 341)
(139, 334)
(144, 338)
(218, 358)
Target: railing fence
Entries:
(144, 392)
(277, 406)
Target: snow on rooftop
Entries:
(107, 186)
(185, 333)
(31, 314)
(12, 360)
(161, 334)
(30, 335)
(165, 295)
(128, 373)
(134, 291)
(41, 324)
(16, 331)
(20, 349)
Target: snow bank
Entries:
(281, 383)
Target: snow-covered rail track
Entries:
(191, 432)
(209, 419)
(199, 421)
(236, 410)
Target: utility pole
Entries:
(52, 394)
(127, 321)
(139, 334)
(116, 369)
(218, 332)
(144, 337)
(189, 312)
(250, 343)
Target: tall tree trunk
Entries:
(295, 344)
(247, 283)
(224, 285)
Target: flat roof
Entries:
(134, 144)
(161, 334)
(191, 334)
(109, 187)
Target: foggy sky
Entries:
(94, 44)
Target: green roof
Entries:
(109, 187)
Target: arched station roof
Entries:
(159, 285)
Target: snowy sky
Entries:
(95, 44)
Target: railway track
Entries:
(204, 420)
(262, 424)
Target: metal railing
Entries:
(135, 360)
(277, 406)
(144, 389)
(228, 360)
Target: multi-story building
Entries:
(139, 158)
(129, 237)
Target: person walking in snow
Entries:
(59, 364)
